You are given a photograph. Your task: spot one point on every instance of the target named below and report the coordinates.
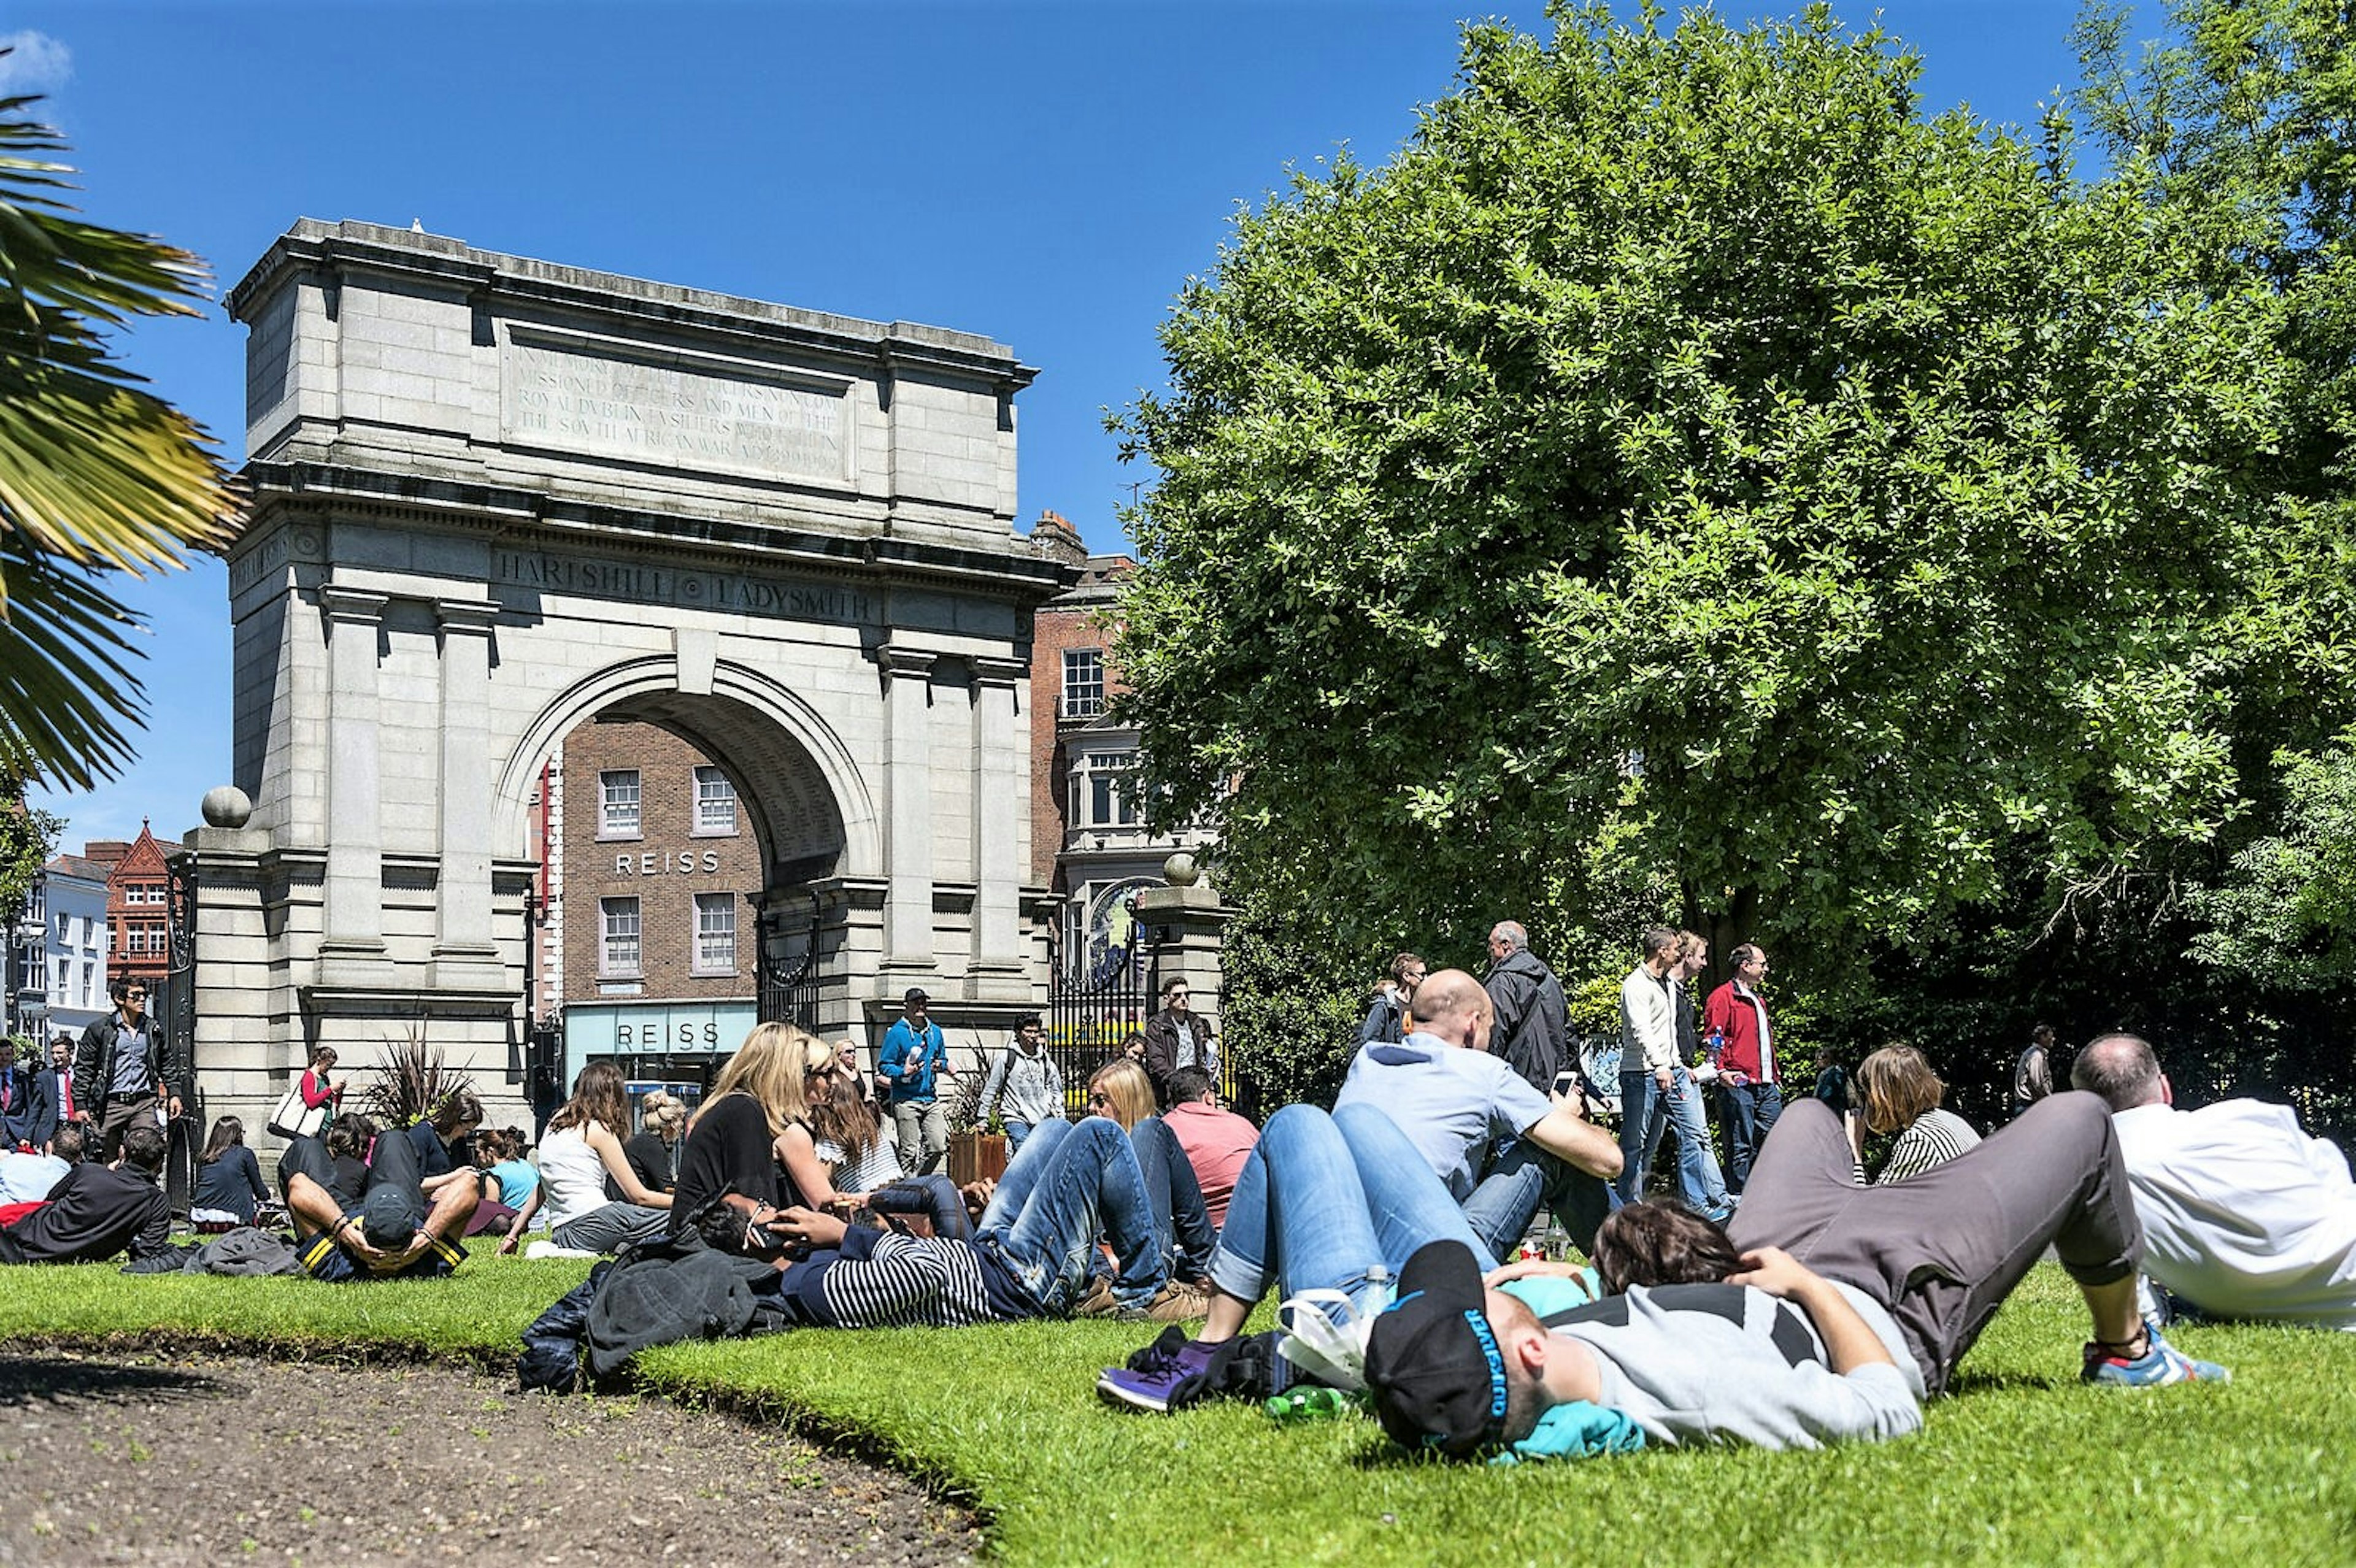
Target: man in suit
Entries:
(52, 1103)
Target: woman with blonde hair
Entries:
(732, 1151)
(582, 1147)
(1121, 1091)
(662, 1116)
(1898, 1092)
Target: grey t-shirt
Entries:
(1708, 1363)
(1452, 1103)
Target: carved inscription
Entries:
(689, 589)
(690, 419)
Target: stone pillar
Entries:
(999, 820)
(908, 820)
(1187, 922)
(465, 956)
(352, 947)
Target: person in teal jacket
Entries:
(916, 1056)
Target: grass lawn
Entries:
(2021, 1465)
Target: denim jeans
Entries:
(1750, 1110)
(1642, 1110)
(1069, 1184)
(1016, 1131)
(923, 1129)
(1175, 1193)
(1323, 1199)
(1507, 1200)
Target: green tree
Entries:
(1684, 460)
(27, 836)
(96, 475)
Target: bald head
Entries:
(2122, 1069)
(1453, 1006)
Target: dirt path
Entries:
(124, 1458)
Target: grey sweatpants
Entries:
(1942, 1250)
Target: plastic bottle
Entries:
(1379, 1291)
(1313, 1403)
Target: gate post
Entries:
(1186, 920)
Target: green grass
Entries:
(2022, 1465)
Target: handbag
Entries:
(294, 1119)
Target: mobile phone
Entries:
(1566, 1080)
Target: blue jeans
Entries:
(1016, 1131)
(1067, 1186)
(1323, 1199)
(1751, 1110)
(1179, 1218)
(1643, 1109)
(1501, 1206)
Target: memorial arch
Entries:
(491, 499)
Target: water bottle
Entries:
(1313, 1403)
(1714, 1046)
(1557, 1246)
(1379, 1292)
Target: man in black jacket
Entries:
(1532, 1024)
(1176, 1037)
(118, 1072)
(52, 1091)
(97, 1210)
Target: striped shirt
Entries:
(880, 1279)
(1933, 1139)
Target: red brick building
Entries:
(138, 906)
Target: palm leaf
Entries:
(96, 475)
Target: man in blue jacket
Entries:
(914, 1057)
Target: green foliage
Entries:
(413, 1082)
(1292, 1003)
(1684, 465)
(2287, 914)
(1003, 1418)
(27, 836)
(96, 475)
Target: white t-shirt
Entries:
(2244, 1214)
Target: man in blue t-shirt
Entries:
(914, 1057)
(1457, 1103)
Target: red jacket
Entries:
(1737, 1018)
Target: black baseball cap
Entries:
(915, 998)
(388, 1218)
(1433, 1363)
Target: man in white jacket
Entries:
(2244, 1214)
(1654, 1085)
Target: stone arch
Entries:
(807, 798)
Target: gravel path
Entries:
(116, 1457)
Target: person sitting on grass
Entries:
(1217, 1140)
(29, 1178)
(1034, 1245)
(1837, 1333)
(1898, 1092)
(1121, 1090)
(389, 1230)
(228, 1180)
(581, 1149)
(97, 1210)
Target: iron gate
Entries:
(1092, 1013)
(786, 984)
(174, 1007)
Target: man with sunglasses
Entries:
(1176, 1036)
(118, 1071)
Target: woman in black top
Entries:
(229, 1179)
(731, 1149)
(661, 1114)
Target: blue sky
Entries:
(1046, 174)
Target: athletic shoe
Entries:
(1160, 1376)
(2162, 1363)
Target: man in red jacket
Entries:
(1747, 1090)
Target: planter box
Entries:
(976, 1157)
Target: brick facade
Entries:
(665, 863)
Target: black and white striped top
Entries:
(1930, 1140)
(896, 1281)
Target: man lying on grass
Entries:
(1829, 1316)
(351, 1227)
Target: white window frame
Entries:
(1083, 694)
(621, 938)
(715, 923)
(611, 823)
(1103, 774)
(714, 789)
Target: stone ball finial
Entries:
(226, 805)
(1180, 871)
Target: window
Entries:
(618, 800)
(716, 933)
(88, 984)
(715, 802)
(619, 952)
(1083, 683)
(58, 993)
(1100, 797)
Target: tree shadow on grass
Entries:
(57, 1379)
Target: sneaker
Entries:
(2162, 1363)
(1097, 1301)
(1160, 1377)
(1176, 1302)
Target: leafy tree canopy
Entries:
(1684, 460)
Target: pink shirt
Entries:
(1216, 1144)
